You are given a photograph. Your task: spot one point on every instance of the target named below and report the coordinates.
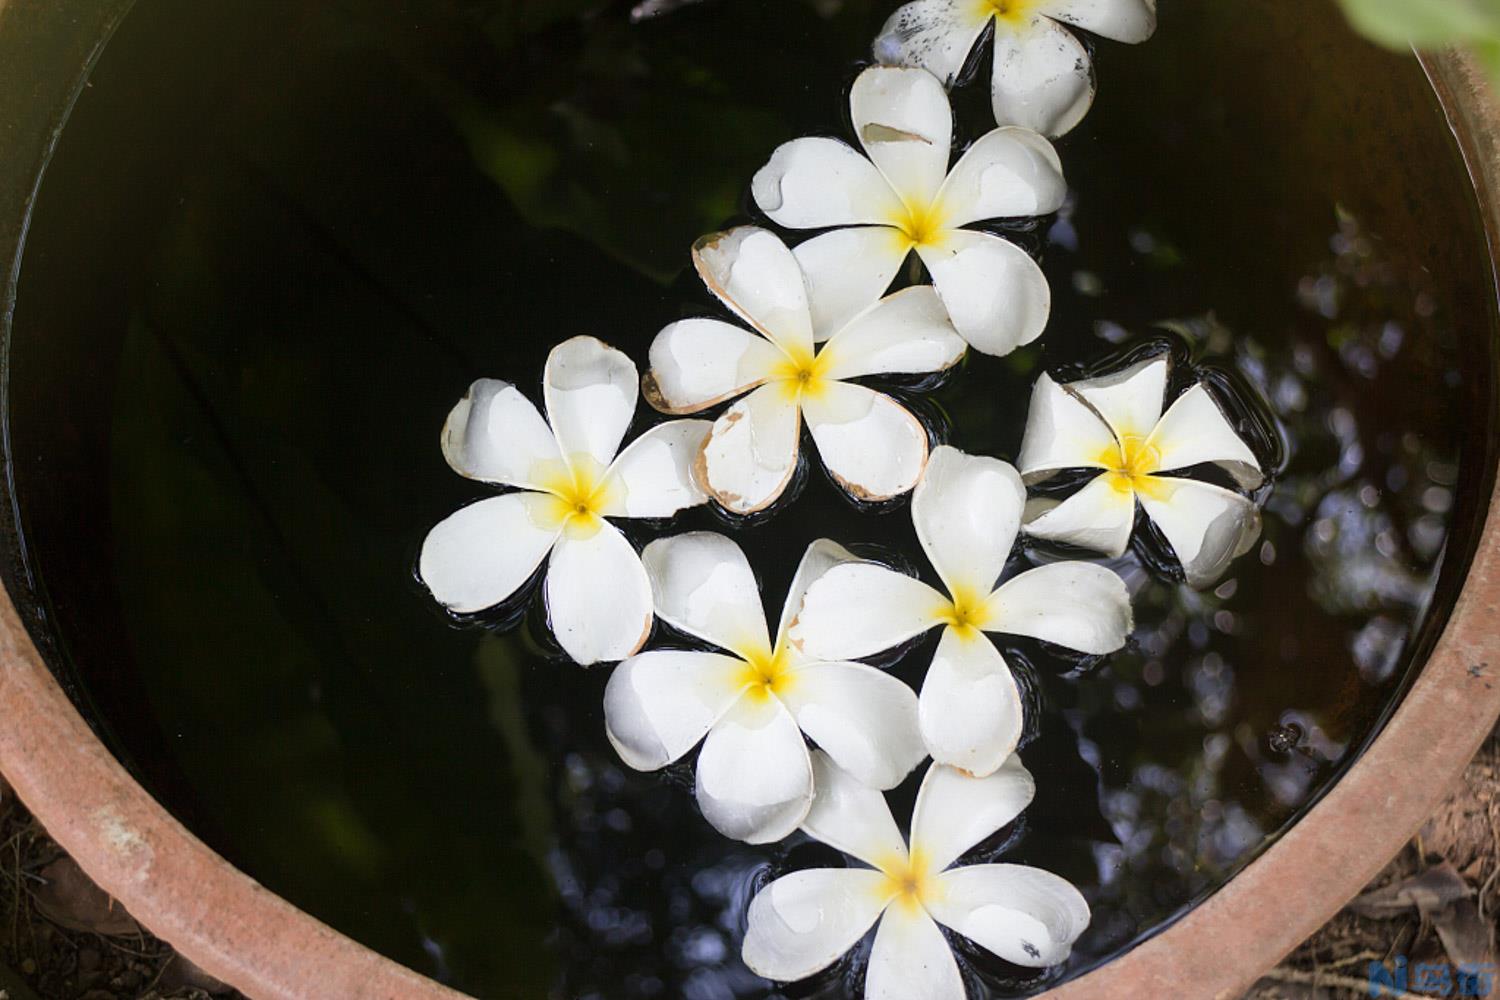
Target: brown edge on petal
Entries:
(859, 492)
(711, 241)
(727, 500)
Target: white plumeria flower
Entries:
(568, 482)
(1115, 424)
(907, 199)
(967, 513)
(801, 923)
(754, 701)
(871, 444)
(1043, 76)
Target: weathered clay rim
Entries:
(247, 936)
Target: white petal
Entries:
(698, 363)
(860, 609)
(1008, 173)
(590, 389)
(1207, 526)
(863, 718)
(755, 779)
(820, 557)
(956, 811)
(1062, 432)
(847, 271)
(907, 333)
(598, 597)
(995, 293)
(704, 586)
(1195, 430)
(1130, 400)
(1121, 20)
(1075, 604)
(496, 435)
(852, 817)
(655, 473)
(1043, 78)
(1099, 517)
(752, 451)
(481, 554)
(660, 703)
(804, 922)
(755, 274)
(911, 960)
(816, 182)
(902, 118)
(1024, 915)
(967, 511)
(971, 713)
(872, 444)
(936, 35)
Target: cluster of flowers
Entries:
(816, 318)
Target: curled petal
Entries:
(480, 555)
(1063, 432)
(755, 780)
(911, 959)
(860, 609)
(655, 473)
(1100, 517)
(863, 718)
(936, 35)
(496, 435)
(698, 363)
(852, 817)
(704, 586)
(1008, 173)
(659, 704)
(591, 391)
(908, 333)
(956, 811)
(1043, 78)
(1195, 430)
(1130, 400)
(971, 713)
(820, 557)
(967, 511)
(815, 182)
(755, 274)
(902, 118)
(803, 922)
(1074, 604)
(994, 292)
(1120, 20)
(847, 271)
(751, 452)
(598, 597)
(1024, 915)
(871, 444)
(1207, 526)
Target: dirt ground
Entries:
(1435, 906)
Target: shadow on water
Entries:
(272, 251)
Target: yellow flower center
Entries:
(580, 494)
(909, 882)
(1013, 11)
(802, 373)
(1132, 464)
(921, 226)
(966, 613)
(767, 674)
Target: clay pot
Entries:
(246, 936)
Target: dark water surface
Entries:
(279, 239)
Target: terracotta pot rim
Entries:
(245, 935)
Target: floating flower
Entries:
(754, 701)
(568, 481)
(801, 923)
(904, 198)
(871, 444)
(1043, 76)
(1115, 424)
(967, 512)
